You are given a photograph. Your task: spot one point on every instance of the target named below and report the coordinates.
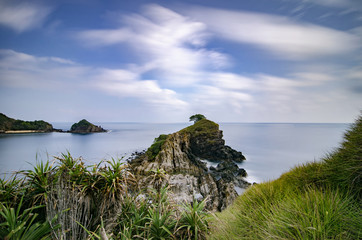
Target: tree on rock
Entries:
(197, 117)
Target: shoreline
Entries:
(23, 131)
(42, 131)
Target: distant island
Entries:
(83, 126)
(10, 125)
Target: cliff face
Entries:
(84, 126)
(181, 155)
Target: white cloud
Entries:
(279, 35)
(22, 16)
(168, 43)
(26, 71)
(20, 70)
(123, 84)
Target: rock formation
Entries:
(83, 126)
(182, 157)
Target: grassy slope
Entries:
(318, 200)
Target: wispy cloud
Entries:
(282, 36)
(20, 70)
(127, 84)
(22, 16)
(168, 43)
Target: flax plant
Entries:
(19, 224)
(38, 181)
(11, 190)
(193, 220)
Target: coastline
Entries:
(23, 131)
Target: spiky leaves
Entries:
(19, 224)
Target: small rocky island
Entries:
(83, 126)
(181, 161)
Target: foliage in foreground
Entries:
(68, 200)
(318, 200)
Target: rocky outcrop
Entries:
(183, 157)
(84, 126)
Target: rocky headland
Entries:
(180, 160)
(10, 125)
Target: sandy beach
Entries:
(24, 131)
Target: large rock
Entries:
(182, 156)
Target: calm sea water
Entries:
(270, 148)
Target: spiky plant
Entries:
(158, 178)
(193, 220)
(113, 185)
(67, 200)
(162, 223)
(21, 224)
(38, 181)
(11, 190)
(132, 218)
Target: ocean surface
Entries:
(270, 148)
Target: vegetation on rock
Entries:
(156, 146)
(83, 126)
(318, 200)
(197, 117)
(10, 124)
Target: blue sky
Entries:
(162, 61)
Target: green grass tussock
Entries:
(317, 200)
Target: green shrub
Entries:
(155, 148)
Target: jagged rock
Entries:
(180, 155)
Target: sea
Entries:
(270, 148)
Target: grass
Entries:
(202, 126)
(317, 200)
(156, 147)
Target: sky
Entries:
(165, 60)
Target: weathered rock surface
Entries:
(84, 126)
(182, 156)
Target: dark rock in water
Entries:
(84, 126)
(179, 155)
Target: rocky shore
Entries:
(179, 160)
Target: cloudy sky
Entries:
(164, 60)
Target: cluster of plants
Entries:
(69, 200)
(318, 200)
